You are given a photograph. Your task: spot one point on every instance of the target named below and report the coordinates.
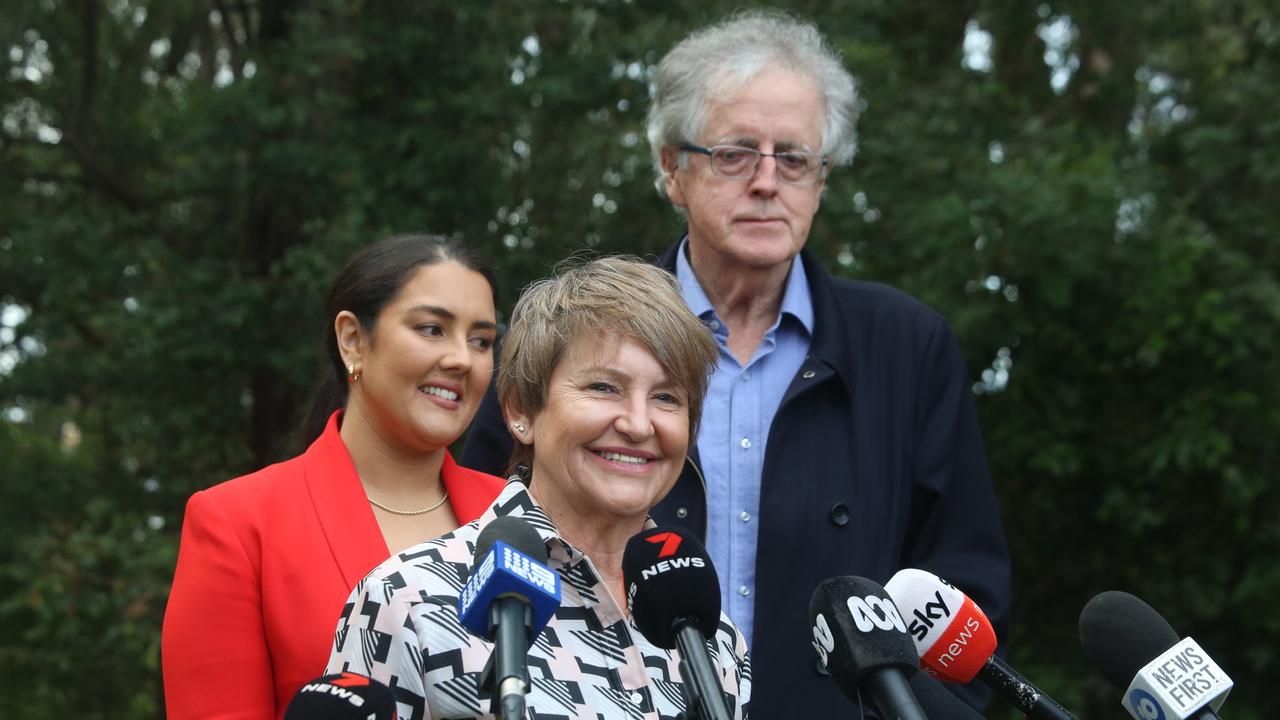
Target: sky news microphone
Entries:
(957, 643)
(509, 598)
(674, 597)
(345, 696)
(862, 641)
(1167, 678)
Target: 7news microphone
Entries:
(344, 696)
(861, 639)
(674, 597)
(509, 598)
(1167, 678)
(956, 642)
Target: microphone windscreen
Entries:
(513, 531)
(345, 696)
(1121, 633)
(951, 633)
(669, 577)
(510, 561)
(858, 630)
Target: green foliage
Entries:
(180, 180)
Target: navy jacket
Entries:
(874, 463)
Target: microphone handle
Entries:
(702, 686)
(1028, 698)
(510, 620)
(892, 695)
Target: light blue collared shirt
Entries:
(740, 405)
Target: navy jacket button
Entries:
(840, 514)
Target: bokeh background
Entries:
(1088, 190)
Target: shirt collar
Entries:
(515, 501)
(796, 300)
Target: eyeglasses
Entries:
(739, 163)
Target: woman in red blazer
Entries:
(267, 560)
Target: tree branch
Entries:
(83, 105)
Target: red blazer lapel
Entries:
(341, 506)
(470, 492)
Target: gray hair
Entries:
(718, 60)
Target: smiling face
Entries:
(612, 437)
(428, 361)
(760, 222)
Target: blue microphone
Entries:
(509, 598)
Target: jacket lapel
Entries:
(353, 536)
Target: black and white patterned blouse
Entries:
(400, 626)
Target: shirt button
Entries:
(636, 697)
(745, 516)
(682, 512)
(808, 374)
(746, 443)
(744, 591)
(746, 374)
(715, 324)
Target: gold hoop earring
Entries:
(353, 372)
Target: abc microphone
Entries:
(1167, 678)
(509, 598)
(862, 641)
(957, 643)
(674, 597)
(345, 696)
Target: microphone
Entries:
(1167, 678)
(509, 598)
(345, 696)
(861, 639)
(957, 643)
(674, 597)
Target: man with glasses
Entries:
(838, 435)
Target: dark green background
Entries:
(179, 181)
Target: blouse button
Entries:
(840, 514)
(636, 697)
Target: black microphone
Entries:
(509, 598)
(1136, 648)
(674, 597)
(862, 640)
(345, 696)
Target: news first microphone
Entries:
(1167, 678)
(509, 598)
(957, 643)
(345, 696)
(674, 597)
(862, 641)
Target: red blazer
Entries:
(266, 563)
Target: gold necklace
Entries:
(394, 511)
